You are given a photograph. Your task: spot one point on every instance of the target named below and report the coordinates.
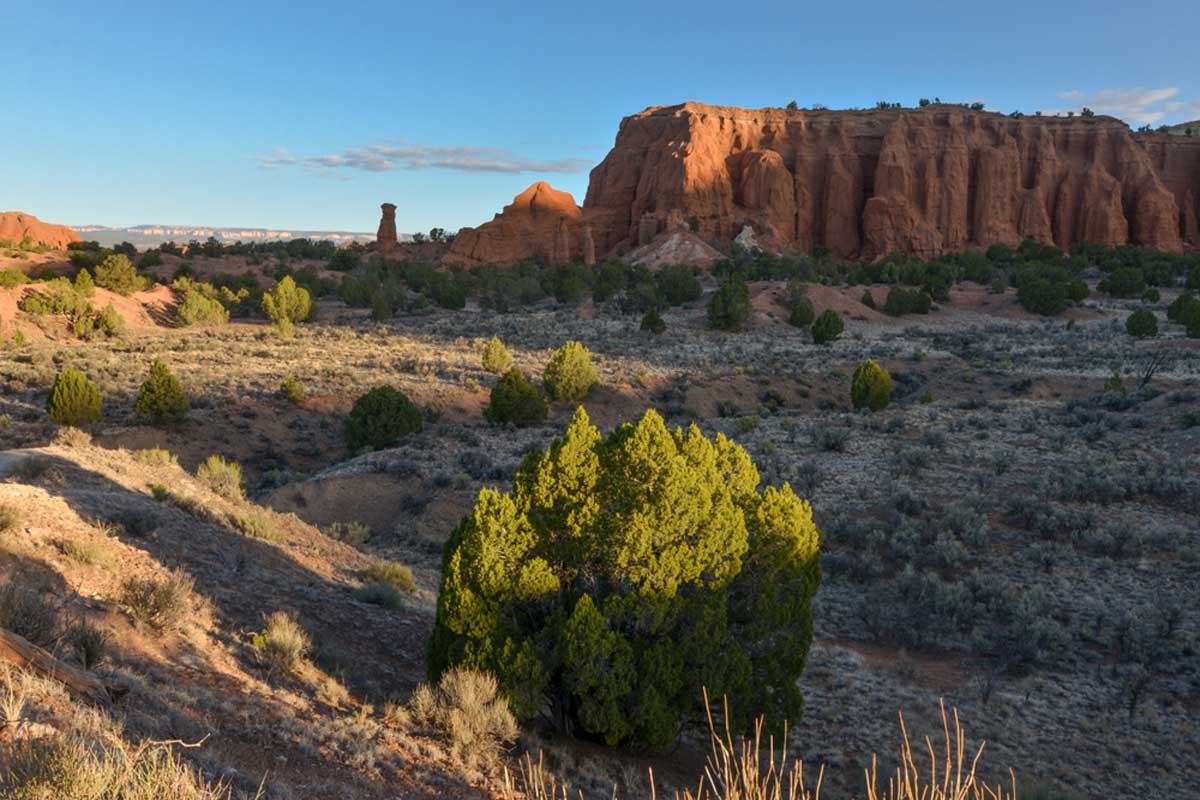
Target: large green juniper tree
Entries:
(623, 574)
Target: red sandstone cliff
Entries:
(865, 183)
(16, 225)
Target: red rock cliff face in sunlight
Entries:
(866, 183)
(16, 225)
(541, 223)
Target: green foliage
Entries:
(161, 399)
(1124, 282)
(515, 402)
(221, 476)
(729, 308)
(800, 308)
(871, 386)
(496, 358)
(678, 284)
(198, 309)
(652, 322)
(84, 286)
(392, 573)
(1042, 296)
(109, 321)
(12, 277)
(57, 296)
(622, 575)
(293, 389)
(570, 375)
(74, 400)
(285, 304)
(381, 418)
(828, 327)
(868, 299)
(906, 301)
(1184, 309)
(117, 274)
(1142, 324)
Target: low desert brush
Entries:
(161, 604)
(223, 477)
(282, 643)
(467, 709)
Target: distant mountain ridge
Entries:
(154, 235)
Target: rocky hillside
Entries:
(16, 225)
(865, 183)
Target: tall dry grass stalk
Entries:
(754, 769)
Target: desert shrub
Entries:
(196, 309)
(381, 418)
(871, 386)
(74, 400)
(221, 476)
(1125, 282)
(652, 322)
(622, 574)
(1152, 295)
(293, 389)
(802, 313)
(109, 321)
(70, 767)
(89, 643)
(285, 304)
(256, 523)
(570, 375)
(1142, 324)
(282, 643)
(496, 359)
(29, 613)
(828, 327)
(1184, 309)
(385, 583)
(902, 301)
(729, 307)
(161, 604)
(515, 402)
(12, 277)
(831, 440)
(56, 296)
(154, 457)
(468, 709)
(353, 533)
(160, 398)
(117, 274)
(868, 299)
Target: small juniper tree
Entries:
(827, 327)
(285, 304)
(622, 575)
(1142, 324)
(652, 322)
(515, 402)
(570, 375)
(161, 399)
(74, 400)
(117, 274)
(871, 386)
(380, 418)
(729, 308)
(496, 358)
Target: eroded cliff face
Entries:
(540, 223)
(866, 183)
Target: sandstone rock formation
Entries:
(540, 223)
(866, 183)
(862, 184)
(16, 225)
(386, 241)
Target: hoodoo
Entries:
(386, 241)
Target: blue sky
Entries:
(309, 115)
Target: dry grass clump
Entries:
(161, 604)
(69, 767)
(72, 437)
(155, 457)
(467, 709)
(30, 614)
(353, 533)
(282, 644)
(754, 769)
(11, 517)
(257, 524)
(12, 702)
(223, 477)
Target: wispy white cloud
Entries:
(1137, 106)
(401, 154)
